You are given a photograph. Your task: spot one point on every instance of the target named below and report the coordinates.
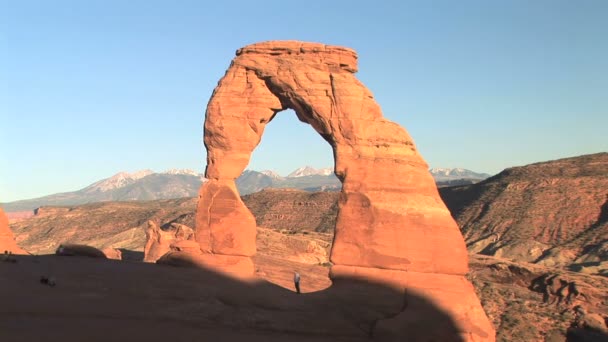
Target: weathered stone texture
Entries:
(159, 242)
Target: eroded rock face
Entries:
(159, 242)
(7, 240)
(391, 220)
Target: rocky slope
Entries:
(122, 224)
(522, 307)
(109, 224)
(294, 210)
(555, 212)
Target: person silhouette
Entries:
(296, 280)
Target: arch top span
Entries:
(334, 57)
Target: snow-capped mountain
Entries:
(119, 180)
(271, 174)
(123, 186)
(181, 172)
(310, 171)
(449, 174)
(123, 179)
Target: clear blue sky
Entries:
(91, 88)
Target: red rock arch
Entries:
(392, 225)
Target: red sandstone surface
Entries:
(391, 228)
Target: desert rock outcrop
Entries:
(158, 241)
(112, 253)
(392, 225)
(7, 240)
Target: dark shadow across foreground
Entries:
(107, 300)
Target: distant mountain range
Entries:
(445, 174)
(176, 183)
(123, 186)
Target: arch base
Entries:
(453, 295)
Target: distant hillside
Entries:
(254, 181)
(549, 212)
(142, 185)
(107, 224)
(294, 210)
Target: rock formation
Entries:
(158, 241)
(392, 226)
(7, 240)
(112, 253)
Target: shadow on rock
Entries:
(98, 299)
(130, 255)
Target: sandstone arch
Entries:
(392, 225)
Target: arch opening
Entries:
(295, 213)
(289, 143)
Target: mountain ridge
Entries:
(176, 183)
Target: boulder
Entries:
(112, 253)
